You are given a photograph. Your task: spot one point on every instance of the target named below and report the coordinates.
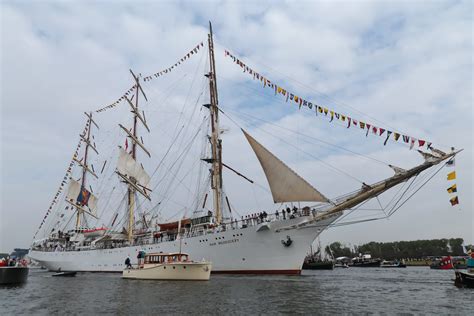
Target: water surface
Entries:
(414, 290)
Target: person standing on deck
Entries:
(127, 263)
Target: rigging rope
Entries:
(310, 88)
(309, 154)
(311, 137)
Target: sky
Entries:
(403, 65)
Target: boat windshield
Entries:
(163, 258)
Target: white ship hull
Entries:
(256, 249)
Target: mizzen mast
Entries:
(216, 142)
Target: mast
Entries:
(85, 167)
(133, 179)
(216, 142)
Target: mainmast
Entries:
(216, 142)
(129, 170)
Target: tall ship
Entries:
(114, 201)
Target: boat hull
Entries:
(464, 279)
(191, 271)
(257, 249)
(13, 275)
(367, 264)
(393, 266)
(323, 265)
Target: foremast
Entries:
(129, 170)
(216, 142)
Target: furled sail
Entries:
(81, 197)
(128, 166)
(285, 184)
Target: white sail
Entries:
(88, 199)
(285, 184)
(130, 167)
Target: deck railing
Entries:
(199, 230)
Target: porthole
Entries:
(164, 267)
(184, 267)
(174, 267)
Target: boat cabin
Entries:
(160, 258)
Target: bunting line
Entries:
(64, 181)
(192, 52)
(114, 104)
(289, 96)
(454, 200)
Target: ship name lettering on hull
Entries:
(224, 242)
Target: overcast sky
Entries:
(402, 65)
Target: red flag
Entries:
(421, 143)
(126, 144)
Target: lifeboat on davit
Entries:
(94, 232)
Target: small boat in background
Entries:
(342, 262)
(444, 264)
(65, 274)
(366, 261)
(466, 279)
(393, 264)
(169, 266)
(318, 264)
(13, 272)
(315, 261)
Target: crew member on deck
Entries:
(127, 263)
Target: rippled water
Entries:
(416, 290)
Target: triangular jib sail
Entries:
(285, 184)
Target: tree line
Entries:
(416, 249)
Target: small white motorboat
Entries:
(65, 274)
(169, 266)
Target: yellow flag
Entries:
(452, 175)
(452, 189)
